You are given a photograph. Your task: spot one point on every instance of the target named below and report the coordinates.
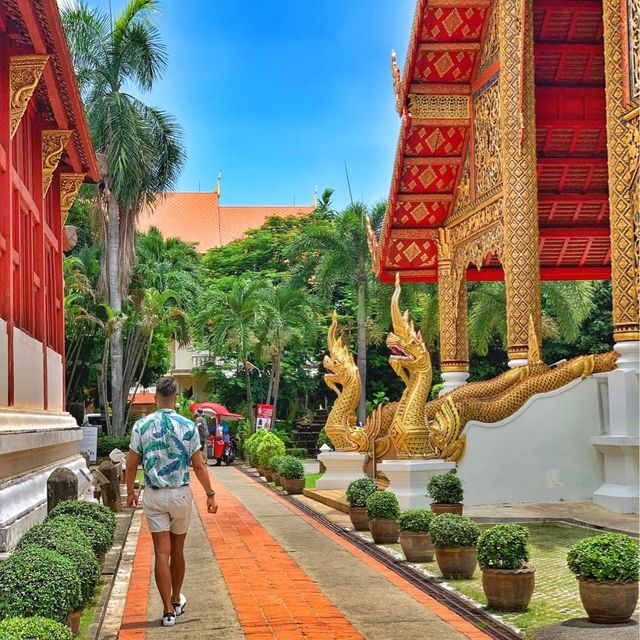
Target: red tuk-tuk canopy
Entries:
(219, 409)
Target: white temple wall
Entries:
(28, 371)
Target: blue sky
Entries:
(279, 93)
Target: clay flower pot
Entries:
(508, 589)
(384, 530)
(359, 518)
(268, 475)
(73, 621)
(293, 486)
(276, 479)
(608, 602)
(457, 562)
(417, 547)
(443, 507)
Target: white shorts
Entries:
(168, 509)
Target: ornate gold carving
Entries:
(521, 259)
(25, 73)
(486, 132)
(633, 11)
(463, 190)
(621, 152)
(53, 143)
(479, 221)
(439, 107)
(396, 76)
(491, 41)
(70, 184)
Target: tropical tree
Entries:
(140, 146)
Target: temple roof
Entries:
(199, 217)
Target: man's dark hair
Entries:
(166, 387)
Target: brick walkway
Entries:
(276, 574)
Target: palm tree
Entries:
(140, 146)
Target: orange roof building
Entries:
(199, 218)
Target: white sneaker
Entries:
(179, 606)
(168, 620)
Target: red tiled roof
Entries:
(198, 217)
(143, 398)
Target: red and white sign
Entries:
(264, 416)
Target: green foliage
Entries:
(383, 504)
(252, 444)
(106, 444)
(35, 628)
(290, 468)
(99, 536)
(445, 488)
(323, 438)
(269, 446)
(609, 556)
(296, 452)
(452, 530)
(380, 397)
(55, 528)
(415, 520)
(505, 546)
(435, 390)
(39, 582)
(359, 490)
(273, 463)
(95, 510)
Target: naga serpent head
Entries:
(339, 363)
(408, 351)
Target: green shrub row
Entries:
(296, 452)
(36, 628)
(106, 444)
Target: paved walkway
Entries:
(259, 569)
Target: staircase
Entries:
(305, 435)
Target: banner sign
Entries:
(89, 443)
(264, 416)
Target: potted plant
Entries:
(273, 464)
(507, 580)
(383, 511)
(455, 538)
(357, 493)
(94, 510)
(415, 540)
(39, 582)
(252, 443)
(607, 570)
(291, 471)
(99, 537)
(269, 446)
(445, 490)
(19, 628)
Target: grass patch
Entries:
(310, 480)
(86, 619)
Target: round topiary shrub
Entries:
(274, 462)
(415, 520)
(452, 530)
(269, 446)
(59, 528)
(445, 488)
(252, 443)
(94, 510)
(99, 537)
(290, 468)
(34, 629)
(383, 505)
(39, 582)
(505, 546)
(609, 556)
(358, 492)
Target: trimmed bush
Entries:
(99, 537)
(452, 530)
(34, 629)
(609, 556)
(505, 546)
(323, 438)
(94, 510)
(445, 488)
(252, 443)
(359, 490)
(415, 520)
(296, 452)
(39, 582)
(106, 444)
(274, 462)
(290, 468)
(59, 528)
(269, 446)
(383, 504)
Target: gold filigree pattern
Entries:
(633, 11)
(25, 73)
(396, 76)
(486, 134)
(439, 107)
(53, 143)
(464, 229)
(624, 254)
(491, 41)
(463, 190)
(70, 184)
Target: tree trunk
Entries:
(115, 301)
(362, 340)
(276, 386)
(252, 419)
(271, 378)
(144, 366)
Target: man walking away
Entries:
(166, 443)
(203, 432)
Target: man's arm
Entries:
(202, 473)
(133, 460)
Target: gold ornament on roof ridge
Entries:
(24, 74)
(53, 143)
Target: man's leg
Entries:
(177, 565)
(162, 548)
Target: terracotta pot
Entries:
(443, 507)
(384, 530)
(457, 562)
(73, 621)
(417, 547)
(508, 589)
(608, 602)
(276, 479)
(293, 486)
(268, 475)
(359, 518)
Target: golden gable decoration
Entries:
(24, 74)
